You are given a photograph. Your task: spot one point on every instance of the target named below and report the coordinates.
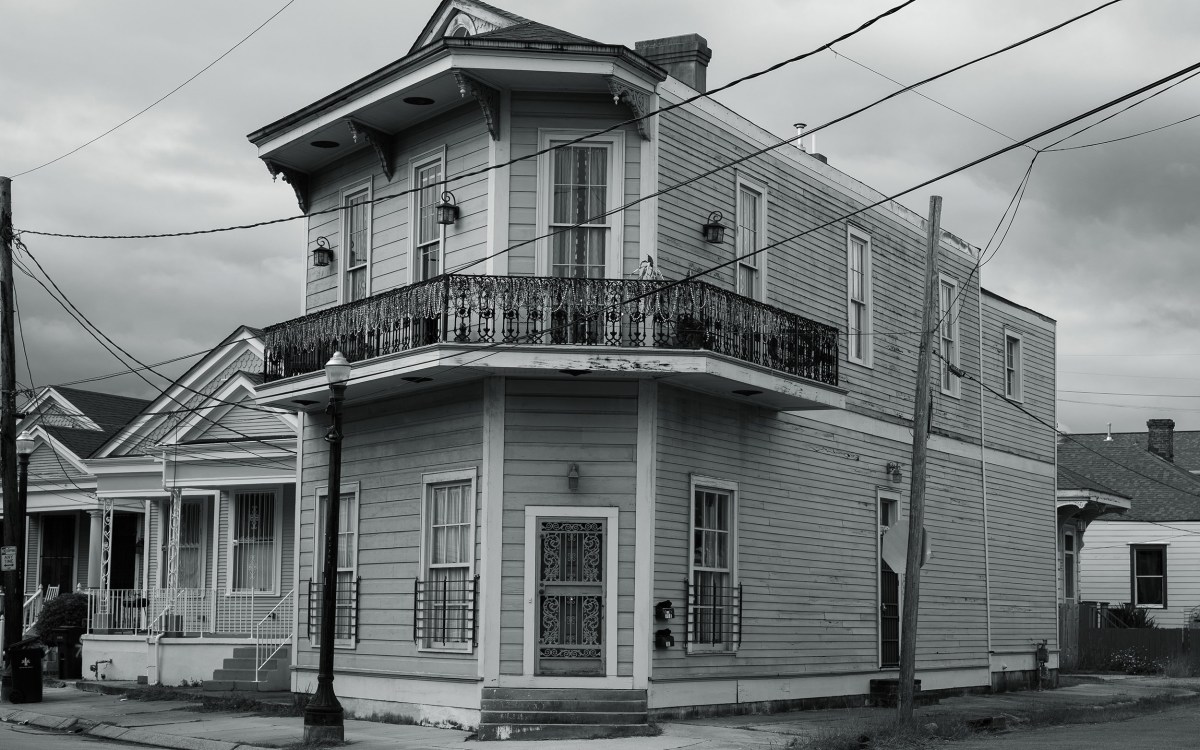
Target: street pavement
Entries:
(177, 724)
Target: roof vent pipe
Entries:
(1108, 437)
(800, 126)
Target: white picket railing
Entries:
(272, 633)
(31, 609)
(186, 612)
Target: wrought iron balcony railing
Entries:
(463, 309)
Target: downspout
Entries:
(987, 568)
(297, 494)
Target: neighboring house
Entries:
(207, 478)
(1150, 554)
(548, 443)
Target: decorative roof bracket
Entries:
(487, 97)
(381, 141)
(637, 100)
(294, 177)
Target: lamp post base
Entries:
(323, 717)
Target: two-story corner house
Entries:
(576, 461)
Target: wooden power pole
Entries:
(11, 563)
(916, 509)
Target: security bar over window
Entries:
(714, 613)
(346, 617)
(445, 612)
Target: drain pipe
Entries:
(153, 673)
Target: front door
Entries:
(570, 597)
(58, 552)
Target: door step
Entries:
(562, 713)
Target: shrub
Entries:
(1133, 661)
(1129, 616)
(64, 611)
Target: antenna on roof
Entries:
(1108, 437)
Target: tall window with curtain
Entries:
(579, 195)
(750, 235)
(191, 543)
(948, 308)
(428, 236)
(858, 263)
(449, 551)
(357, 236)
(347, 564)
(255, 542)
(713, 600)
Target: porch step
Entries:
(237, 672)
(561, 713)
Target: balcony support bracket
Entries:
(487, 97)
(379, 140)
(294, 177)
(635, 99)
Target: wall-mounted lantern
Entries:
(893, 471)
(573, 477)
(322, 253)
(664, 610)
(663, 638)
(447, 210)
(714, 230)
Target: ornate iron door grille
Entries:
(570, 604)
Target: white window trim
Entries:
(614, 251)
(866, 334)
(1018, 394)
(348, 191)
(414, 165)
(882, 496)
(1071, 564)
(229, 533)
(760, 284)
(700, 481)
(469, 475)
(319, 548)
(955, 390)
(204, 498)
(1133, 576)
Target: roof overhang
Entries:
(1087, 505)
(413, 371)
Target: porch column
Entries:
(95, 546)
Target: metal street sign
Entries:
(8, 559)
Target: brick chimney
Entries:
(1162, 438)
(685, 58)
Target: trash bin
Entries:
(26, 661)
(70, 654)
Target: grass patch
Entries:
(217, 703)
(934, 728)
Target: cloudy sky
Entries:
(1104, 241)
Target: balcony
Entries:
(606, 325)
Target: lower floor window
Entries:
(1149, 584)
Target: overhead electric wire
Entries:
(158, 101)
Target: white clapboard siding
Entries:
(45, 465)
(1104, 565)
(243, 420)
(1008, 427)
(33, 546)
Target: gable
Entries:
(238, 423)
(45, 465)
(464, 18)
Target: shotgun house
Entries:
(628, 424)
(62, 538)
(209, 477)
(1147, 555)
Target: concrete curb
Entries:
(122, 734)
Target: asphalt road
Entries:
(1176, 729)
(14, 737)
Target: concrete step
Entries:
(561, 717)
(250, 652)
(578, 694)
(245, 686)
(601, 706)
(561, 731)
(249, 664)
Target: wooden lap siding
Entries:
(388, 446)
(807, 523)
(530, 113)
(1007, 427)
(1104, 565)
(466, 141)
(550, 424)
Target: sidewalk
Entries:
(176, 724)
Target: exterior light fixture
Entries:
(322, 253)
(573, 477)
(714, 230)
(893, 471)
(25, 444)
(447, 210)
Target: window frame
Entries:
(415, 165)
(1069, 563)
(891, 500)
(614, 248)
(1133, 574)
(949, 383)
(867, 356)
(362, 187)
(428, 481)
(318, 574)
(700, 482)
(1017, 392)
(277, 492)
(759, 264)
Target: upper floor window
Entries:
(858, 295)
(1013, 367)
(356, 239)
(948, 310)
(751, 236)
(582, 183)
(427, 237)
(1149, 575)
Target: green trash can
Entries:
(26, 661)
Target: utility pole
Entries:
(11, 562)
(916, 509)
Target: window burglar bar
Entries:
(346, 621)
(714, 614)
(445, 613)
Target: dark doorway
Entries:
(58, 552)
(124, 550)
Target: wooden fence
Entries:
(1097, 645)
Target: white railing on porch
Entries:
(272, 633)
(31, 609)
(182, 612)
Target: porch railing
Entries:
(31, 609)
(185, 612)
(465, 309)
(272, 633)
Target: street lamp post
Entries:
(323, 715)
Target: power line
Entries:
(158, 101)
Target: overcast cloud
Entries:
(1105, 241)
